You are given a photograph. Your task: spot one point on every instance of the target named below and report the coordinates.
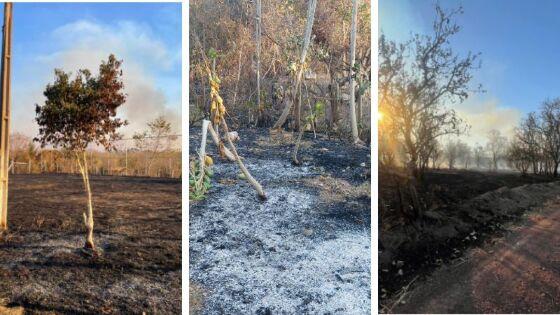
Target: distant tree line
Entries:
(155, 152)
(457, 154)
(536, 145)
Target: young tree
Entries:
(154, 140)
(258, 58)
(300, 67)
(417, 79)
(79, 112)
(496, 146)
(353, 120)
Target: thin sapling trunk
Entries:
(295, 160)
(353, 120)
(88, 216)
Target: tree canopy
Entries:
(82, 110)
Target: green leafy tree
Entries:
(79, 112)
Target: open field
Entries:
(465, 209)
(137, 228)
(306, 249)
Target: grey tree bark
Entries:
(258, 42)
(353, 120)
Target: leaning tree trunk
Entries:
(353, 120)
(88, 216)
(306, 42)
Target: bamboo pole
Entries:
(5, 114)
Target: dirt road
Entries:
(519, 273)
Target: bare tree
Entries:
(464, 152)
(518, 156)
(550, 120)
(413, 90)
(496, 146)
(436, 156)
(529, 134)
(451, 152)
(156, 139)
(479, 155)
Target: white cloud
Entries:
(83, 44)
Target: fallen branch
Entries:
(250, 178)
(221, 148)
(401, 295)
(218, 112)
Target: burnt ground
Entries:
(304, 250)
(463, 210)
(137, 228)
(515, 273)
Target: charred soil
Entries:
(137, 231)
(306, 249)
(461, 210)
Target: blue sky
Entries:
(146, 36)
(520, 53)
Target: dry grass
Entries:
(4, 310)
(338, 190)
